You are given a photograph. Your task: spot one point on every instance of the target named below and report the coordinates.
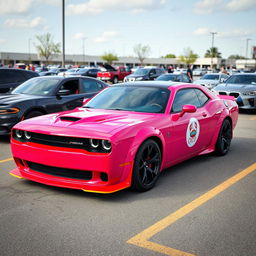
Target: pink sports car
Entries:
(124, 136)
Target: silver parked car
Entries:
(211, 80)
(242, 87)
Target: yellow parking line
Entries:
(142, 239)
(6, 160)
(253, 118)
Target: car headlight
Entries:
(251, 93)
(18, 134)
(138, 78)
(98, 145)
(8, 111)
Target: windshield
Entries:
(36, 86)
(167, 78)
(83, 70)
(138, 99)
(242, 79)
(210, 77)
(141, 71)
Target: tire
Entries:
(147, 164)
(33, 114)
(115, 80)
(224, 139)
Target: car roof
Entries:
(244, 74)
(156, 83)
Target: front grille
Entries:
(60, 172)
(59, 141)
(235, 94)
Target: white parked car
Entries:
(211, 80)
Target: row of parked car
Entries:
(25, 94)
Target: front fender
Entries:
(141, 136)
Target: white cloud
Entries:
(237, 33)
(93, 7)
(106, 36)
(241, 5)
(15, 6)
(209, 6)
(202, 31)
(37, 22)
(79, 36)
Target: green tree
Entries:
(46, 47)
(236, 57)
(170, 55)
(142, 52)
(212, 52)
(189, 57)
(109, 57)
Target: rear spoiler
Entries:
(226, 97)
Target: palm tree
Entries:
(212, 52)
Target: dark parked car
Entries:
(11, 78)
(174, 77)
(143, 74)
(92, 72)
(43, 95)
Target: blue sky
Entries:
(167, 26)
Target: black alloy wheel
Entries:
(224, 139)
(147, 166)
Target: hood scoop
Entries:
(69, 118)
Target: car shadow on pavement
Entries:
(194, 177)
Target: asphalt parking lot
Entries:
(204, 206)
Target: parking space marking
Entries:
(142, 239)
(6, 160)
(253, 118)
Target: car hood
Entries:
(83, 122)
(235, 87)
(11, 99)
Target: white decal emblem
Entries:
(192, 132)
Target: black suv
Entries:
(11, 78)
(142, 74)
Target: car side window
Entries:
(71, 85)
(11, 76)
(185, 97)
(186, 78)
(88, 86)
(203, 98)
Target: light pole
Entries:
(246, 53)
(63, 33)
(29, 56)
(83, 39)
(213, 33)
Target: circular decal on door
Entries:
(193, 131)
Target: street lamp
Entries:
(83, 39)
(246, 53)
(29, 56)
(63, 33)
(213, 33)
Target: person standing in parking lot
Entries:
(190, 73)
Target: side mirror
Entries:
(85, 100)
(188, 109)
(63, 92)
